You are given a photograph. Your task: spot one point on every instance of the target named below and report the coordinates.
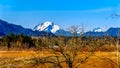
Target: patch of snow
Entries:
(55, 28)
(47, 26)
(44, 26)
(97, 29)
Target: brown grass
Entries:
(23, 59)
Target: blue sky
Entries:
(91, 13)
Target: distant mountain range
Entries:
(55, 29)
(50, 29)
(110, 32)
(7, 28)
(113, 31)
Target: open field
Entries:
(18, 59)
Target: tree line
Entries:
(25, 42)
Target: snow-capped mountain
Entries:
(98, 29)
(8, 28)
(47, 27)
(95, 32)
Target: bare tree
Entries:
(82, 29)
(74, 29)
(77, 31)
(115, 15)
(70, 55)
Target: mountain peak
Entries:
(8, 28)
(47, 23)
(98, 29)
(47, 27)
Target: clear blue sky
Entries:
(91, 13)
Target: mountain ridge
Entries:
(48, 26)
(51, 30)
(8, 28)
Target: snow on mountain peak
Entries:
(42, 26)
(97, 29)
(55, 28)
(47, 26)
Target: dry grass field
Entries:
(23, 59)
